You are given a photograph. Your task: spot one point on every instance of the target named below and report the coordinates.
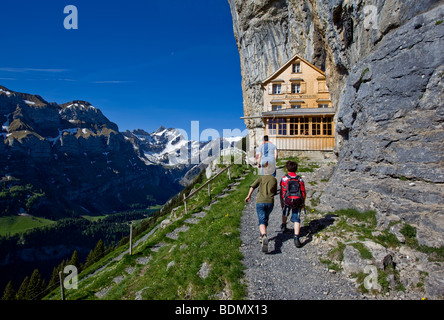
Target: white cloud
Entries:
(111, 81)
(23, 70)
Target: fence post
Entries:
(185, 203)
(209, 191)
(62, 290)
(131, 239)
(229, 174)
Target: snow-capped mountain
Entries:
(170, 147)
(70, 158)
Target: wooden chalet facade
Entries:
(297, 111)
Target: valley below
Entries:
(69, 178)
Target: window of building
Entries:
(296, 88)
(316, 126)
(277, 127)
(304, 126)
(282, 127)
(323, 105)
(272, 123)
(294, 126)
(327, 126)
(276, 107)
(296, 106)
(277, 89)
(322, 87)
(298, 126)
(297, 67)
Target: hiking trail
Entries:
(287, 272)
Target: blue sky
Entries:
(144, 63)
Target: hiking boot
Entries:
(297, 243)
(264, 243)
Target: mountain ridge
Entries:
(69, 160)
(76, 156)
(82, 163)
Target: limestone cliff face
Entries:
(384, 67)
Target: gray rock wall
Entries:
(384, 67)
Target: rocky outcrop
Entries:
(384, 69)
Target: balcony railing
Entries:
(297, 112)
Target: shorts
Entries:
(263, 212)
(295, 215)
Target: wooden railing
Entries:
(243, 158)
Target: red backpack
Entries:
(293, 198)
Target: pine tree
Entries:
(9, 293)
(95, 255)
(75, 261)
(54, 277)
(35, 287)
(99, 250)
(89, 259)
(21, 293)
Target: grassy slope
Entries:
(16, 224)
(215, 240)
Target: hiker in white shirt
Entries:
(267, 153)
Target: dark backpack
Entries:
(293, 197)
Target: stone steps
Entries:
(175, 234)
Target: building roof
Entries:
(286, 64)
(299, 112)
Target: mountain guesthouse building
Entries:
(297, 111)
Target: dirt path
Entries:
(287, 272)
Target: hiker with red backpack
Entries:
(292, 197)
